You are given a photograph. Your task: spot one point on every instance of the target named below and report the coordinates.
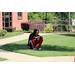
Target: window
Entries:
(6, 13)
(7, 19)
(19, 14)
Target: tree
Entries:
(65, 15)
(62, 15)
(42, 15)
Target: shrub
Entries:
(18, 30)
(10, 29)
(37, 25)
(27, 31)
(3, 32)
(31, 25)
(25, 25)
(48, 29)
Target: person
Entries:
(34, 39)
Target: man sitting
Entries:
(35, 39)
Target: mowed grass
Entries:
(10, 34)
(2, 59)
(53, 45)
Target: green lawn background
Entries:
(53, 45)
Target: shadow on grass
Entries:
(57, 48)
(71, 34)
(16, 47)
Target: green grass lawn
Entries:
(2, 59)
(9, 34)
(53, 45)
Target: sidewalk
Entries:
(13, 39)
(17, 38)
(17, 57)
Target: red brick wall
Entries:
(16, 22)
(14, 19)
(0, 20)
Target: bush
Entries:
(48, 29)
(31, 25)
(25, 25)
(27, 31)
(18, 30)
(10, 29)
(3, 32)
(37, 25)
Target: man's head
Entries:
(36, 32)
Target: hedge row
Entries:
(25, 31)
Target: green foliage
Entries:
(48, 29)
(42, 15)
(18, 31)
(72, 27)
(25, 31)
(65, 15)
(59, 28)
(2, 59)
(62, 15)
(3, 32)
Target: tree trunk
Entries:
(68, 21)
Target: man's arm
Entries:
(38, 37)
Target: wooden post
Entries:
(44, 28)
(54, 26)
(57, 25)
(61, 26)
(68, 21)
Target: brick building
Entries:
(12, 19)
